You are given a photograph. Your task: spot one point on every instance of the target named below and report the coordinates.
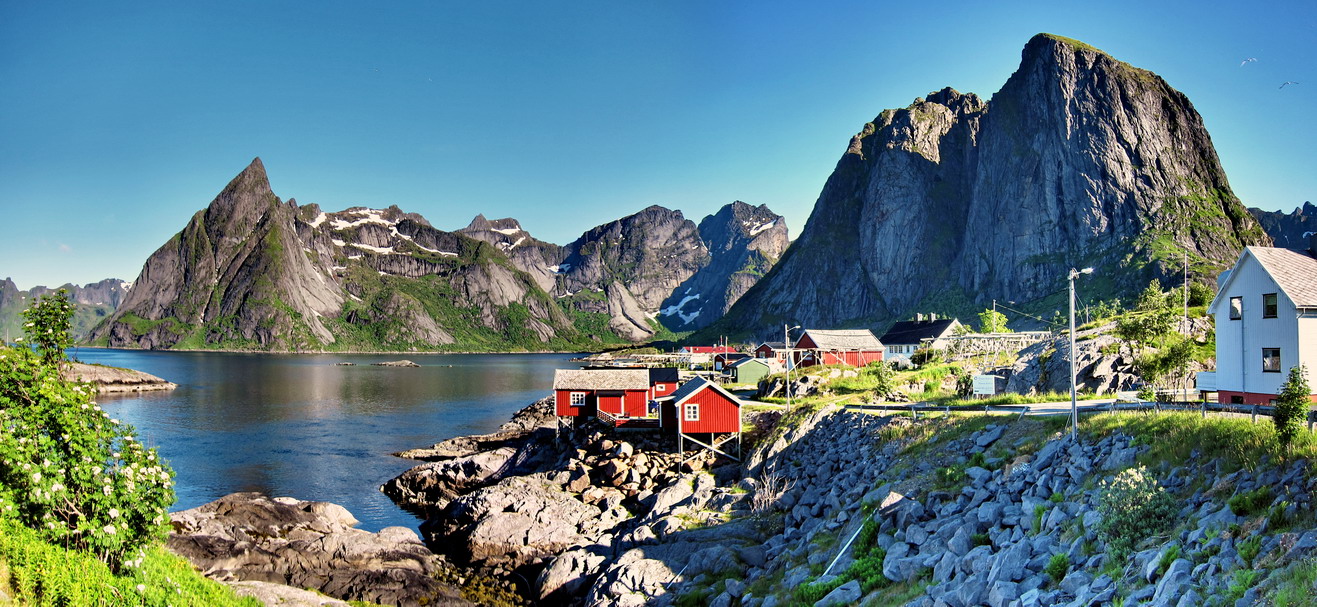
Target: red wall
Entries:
(564, 408)
(717, 413)
(668, 388)
(764, 352)
(632, 403)
(1251, 398)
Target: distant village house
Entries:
(905, 337)
(851, 347)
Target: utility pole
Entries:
(1186, 293)
(1074, 394)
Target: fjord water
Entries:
(304, 427)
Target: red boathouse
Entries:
(703, 410)
(601, 392)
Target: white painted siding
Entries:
(1239, 343)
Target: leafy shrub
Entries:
(1277, 517)
(978, 460)
(1134, 507)
(1039, 511)
(47, 325)
(869, 571)
(1250, 502)
(1168, 557)
(980, 539)
(1291, 405)
(1249, 548)
(812, 592)
(1057, 566)
(67, 470)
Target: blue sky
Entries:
(123, 119)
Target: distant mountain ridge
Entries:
(252, 272)
(1288, 230)
(1079, 160)
(93, 302)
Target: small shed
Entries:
(723, 360)
(703, 413)
(751, 370)
(772, 349)
(601, 392)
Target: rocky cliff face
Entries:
(635, 262)
(1079, 160)
(93, 302)
(1289, 230)
(252, 272)
(535, 257)
(743, 243)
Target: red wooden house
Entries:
(700, 410)
(601, 392)
(663, 381)
(852, 347)
(772, 349)
(722, 360)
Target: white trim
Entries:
(689, 408)
(575, 401)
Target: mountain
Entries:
(1288, 230)
(1079, 160)
(252, 272)
(628, 267)
(744, 242)
(92, 303)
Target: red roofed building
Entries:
(703, 410)
(589, 392)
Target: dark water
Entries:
(299, 426)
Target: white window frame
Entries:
(577, 399)
(1266, 359)
(660, 387)
(691, 412)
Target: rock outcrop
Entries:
(115, 379)
(247, 537)
(1079, 160)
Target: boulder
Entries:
(567, 575)
(844, 594)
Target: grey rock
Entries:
(1074, 581)
(1002, 593)
(1172, 584)
(990, 436)
(844, 594)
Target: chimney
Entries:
(932, 317)
(919, 318)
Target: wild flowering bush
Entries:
(69, 471)
(47, 326)
(1134, 507)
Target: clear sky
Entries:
(122, 119)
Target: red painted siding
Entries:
(564, 408)
(668, 388)
(717, 413)
(635, 403)
(764, 352)
(1251, 398)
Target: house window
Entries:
(1236, 400)
(692, 412)
(660, 387)
(1271, 360)
(1236, 308)
(1268, 305)
(578, 399)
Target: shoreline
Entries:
(320, 353)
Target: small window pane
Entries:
(692, 413)
(1271, 360)
(578, 398)
(1236, 308)
(1269, 305)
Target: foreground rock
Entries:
(248, 537)
(115, 379)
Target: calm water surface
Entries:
(300, 426)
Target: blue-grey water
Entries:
(300, 426)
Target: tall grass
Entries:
(43, 574)
(1173, 436)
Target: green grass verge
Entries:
(34, 572)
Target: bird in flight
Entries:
(1287, 82)
(1241, 63)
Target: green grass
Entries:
(38, 573)
(1172, 436)
(1295, 584)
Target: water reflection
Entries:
(300, 425)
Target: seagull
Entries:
(1241, 63)
(1287, 82)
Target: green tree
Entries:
(47, 325)
(992, 321)
(1291, 405)
(1200, 295)
(1152, 298)
(67, 469)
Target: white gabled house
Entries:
(1266, 322)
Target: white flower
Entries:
(115, 422)
(106, 490)
(36, 476)
(109, 529)
(141, 588)
(57, 487)
(97, 407)
(114, 513)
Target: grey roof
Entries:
(773, 364)
(1295, 273)
(601, 379)
(689, 389)
(915, 331)
(776, 345)
(845, 339)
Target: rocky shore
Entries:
(987, 511)
(115, 379)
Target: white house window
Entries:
(1236, 308)
(1268, 305)
(692, 412)
(1271, 360)
(660, 387)
(578, 399)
